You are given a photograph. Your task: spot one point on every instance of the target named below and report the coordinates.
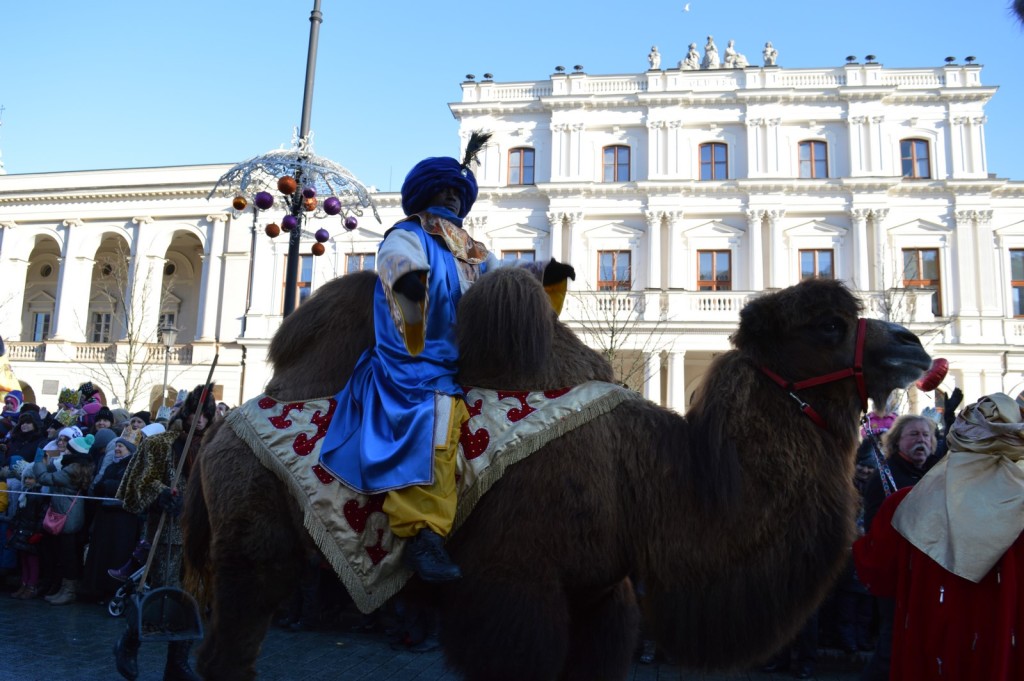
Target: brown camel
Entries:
(737, 516)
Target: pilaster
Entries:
(654, 253)
(755, 272)
(861, 258)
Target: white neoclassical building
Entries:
(677, 195)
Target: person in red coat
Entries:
(950, 551)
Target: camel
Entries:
(737, 515)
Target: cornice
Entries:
(104, 194)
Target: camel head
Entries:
(811, 330)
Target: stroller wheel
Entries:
(116, 605)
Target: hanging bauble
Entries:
(239, 203)
(289, 222)
(351, 222)
(332, 205)
(287, 185)
(318, 249)
(309, 192)
(322, 235)
(309, 203)
(264, 200)
(272, 230)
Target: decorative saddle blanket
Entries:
(350, 528)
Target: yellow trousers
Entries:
(411, 509)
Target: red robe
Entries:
(946, 627)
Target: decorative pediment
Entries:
(713, 228)
(41, 300)
(170, 303)
(1013, 229)
(609, 230)
(920, 227)
(515, 231)
(814, 228)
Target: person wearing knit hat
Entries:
(104, 419)
(140, 419)
(82, 445)
(382, 438)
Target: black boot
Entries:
(126, 651)
(177, 667)
(425, 555)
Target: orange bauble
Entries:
(318, 249)
(239, 203)
(309, 204)
(287, 185)
(272, 230)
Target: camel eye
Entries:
(832, 327)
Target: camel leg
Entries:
(480, 618)
(249, 585)
(603, 637)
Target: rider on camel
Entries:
(398, 419)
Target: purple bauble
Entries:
(322, 235)
(264, 200)
(332, 205)
(309, 193)
(351, 222)
(289, 222)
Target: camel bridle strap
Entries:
(856, 372)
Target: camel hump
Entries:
(504, 320)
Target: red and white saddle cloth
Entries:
(350, 528)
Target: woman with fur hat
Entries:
(27, 438)
(382, 437)
(114, 530)
(62, 552)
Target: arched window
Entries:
(813, 159)
(714, 161)
(615, 163)
(520, 166)
(914, 158)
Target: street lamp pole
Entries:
(168, 336)
(292, 267)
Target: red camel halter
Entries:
(856, 371)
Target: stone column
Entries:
(211, 283)
(576, 152)
(755, 272)
(656, 143)
(572, 250)
(555, 221)
(987, 265)
(673, 251)
(876, 145)
(652, 376)
(861, 259)
(881, 265)
(654, 273)
(71, 310)
(858, 152)
(672, 156)
(677, 381)
(559, 153)
(980, 152)
(12, 307)
(772, 147)
(755, 147)
(777, 273)
(965, 261)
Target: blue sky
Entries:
(116, 84)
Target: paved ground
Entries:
(40, 642)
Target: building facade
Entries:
(676, 194)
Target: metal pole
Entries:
(291, 279)
(163, 396)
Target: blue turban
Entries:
(430, 176)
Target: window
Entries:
(303, 280)
(40, 326)
(813, 159)
(816, 265)
(520, 166)
(357, 262)
(168, 319)
(921, 270)
(1017, 281)
(914, 157)
(616, 164)
(714, 161)
(613, 271)
(509, 257)
(714, 271)
(101, 327)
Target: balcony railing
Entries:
(26, 352)
(98, 353)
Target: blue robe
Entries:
(382, 435)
